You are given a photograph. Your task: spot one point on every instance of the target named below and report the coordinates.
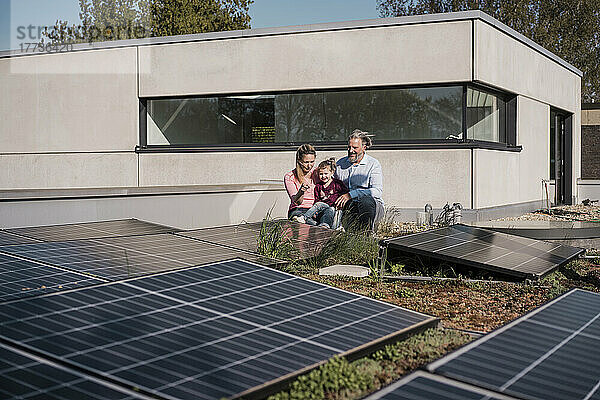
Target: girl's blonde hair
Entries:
(329, 163)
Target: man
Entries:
(363, 176)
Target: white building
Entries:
(199, 130)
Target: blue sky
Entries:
(265, 13)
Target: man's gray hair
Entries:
(365, 137)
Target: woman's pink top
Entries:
(292, 186)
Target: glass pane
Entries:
(389, 114)
(486, 116)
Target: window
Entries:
(486, 116)
(392, 115)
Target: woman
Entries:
(300, 183)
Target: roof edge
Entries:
(311, 28)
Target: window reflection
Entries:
(391, 114)
(486, 116)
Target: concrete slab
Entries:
(346, 270)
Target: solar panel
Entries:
(129, 256)
(307, 240)
(550, 353)
(423, 386)
(7, 239)
(90, 230)
(21, 278)
(24, 376)
(489, 250)
(222, 330)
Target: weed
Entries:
(388, 226)
(358, 248)
(273, 241)
(404, 292)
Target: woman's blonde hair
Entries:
(304, 150)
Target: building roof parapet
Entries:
(312, 28)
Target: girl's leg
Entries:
(327, 217)
(312, 215)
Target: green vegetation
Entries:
(341, 379)
(104, 20)
(568, 28)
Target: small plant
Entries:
(388, 227)
(404, 292)
(273, 240)
(397, 269)
(358, 248)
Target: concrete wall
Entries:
(180, 211)
(502, 178)
(510, 65)
(69, 102)
(411, 177)
(505, 63)
(412, 54)
(69, 120)
(63, 170)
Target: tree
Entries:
(103, 20)
(568, 28)
(181, 17)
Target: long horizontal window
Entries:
(392, 115)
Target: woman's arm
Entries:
(296, 196)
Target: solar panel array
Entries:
(20, 278)
(7, 239)
(552, 353)
(213, 331)
(128, 256)
(24, 376)
(89, 230)
(306, 240)
(423, 386)
(487, 249)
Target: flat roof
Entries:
(310, 28)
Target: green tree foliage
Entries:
(568, 28)
(181, 17)
(103, 20)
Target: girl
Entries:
(326, 192)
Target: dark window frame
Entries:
(464, 143)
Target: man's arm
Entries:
(375, 188)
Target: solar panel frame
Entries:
(467, 246)
(531, 360)
(35, 325)
(27, 376)
(23, 278)
(123, 257)
(421, 385)
(91, 230)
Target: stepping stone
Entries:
(346, 270)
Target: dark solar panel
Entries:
(21, 278)
(8, 239)
(550, 353)
(90, 230)
(129, 256)
(423, 386)
(486, 249)
(307, 240)
(205, 332)
(24, 376)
